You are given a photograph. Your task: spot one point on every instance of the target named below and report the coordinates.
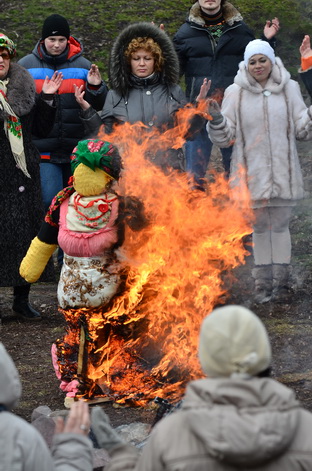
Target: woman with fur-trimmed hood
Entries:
(144, 75)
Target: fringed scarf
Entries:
(13, 129)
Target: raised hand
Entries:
(271, 28)
(50, 86)
(78, 420)
(305, 48)
(214, 111)
(204, 89)
(79, 95)
(94, 76)
(161, 26)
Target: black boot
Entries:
(21, 304)
(263, 277)
(282, 289)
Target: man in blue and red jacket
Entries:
(58, 50)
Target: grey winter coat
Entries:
(21, 205)
(22, 448)
(263, 125)
(227, 425)
(153, 100)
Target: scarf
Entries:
(214, 24)
(13, 129)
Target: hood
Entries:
(249, 421)
(74, 50)
(276, 82)
(230, 14)
(119, 73)
(10, 385)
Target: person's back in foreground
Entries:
(22, 448)
(237, 418)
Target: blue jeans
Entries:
(197, 156)
(54, 177)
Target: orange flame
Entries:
(145, 344)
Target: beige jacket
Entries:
(22, 448)
(227, 425)
(263, 125)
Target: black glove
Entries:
(215, 112)
(106, 436)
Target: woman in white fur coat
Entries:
(263, 113)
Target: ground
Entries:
(289, 326)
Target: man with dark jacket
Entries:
(211, 44)
(58, 50)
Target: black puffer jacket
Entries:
(306, 77)
(68, 129)
(200, 57)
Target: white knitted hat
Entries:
(257, 46)
(233, 341)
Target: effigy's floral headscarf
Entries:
(95, 153)
(12, 123)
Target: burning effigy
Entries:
(86, 219)
(142, 341)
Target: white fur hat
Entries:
(257, 46)
(233, 341)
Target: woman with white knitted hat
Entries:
(263, 113)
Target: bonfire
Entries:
(143, 344)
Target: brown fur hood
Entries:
(119, 69)
(21, 91)
(230, 14)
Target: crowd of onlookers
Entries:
(54, 97)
